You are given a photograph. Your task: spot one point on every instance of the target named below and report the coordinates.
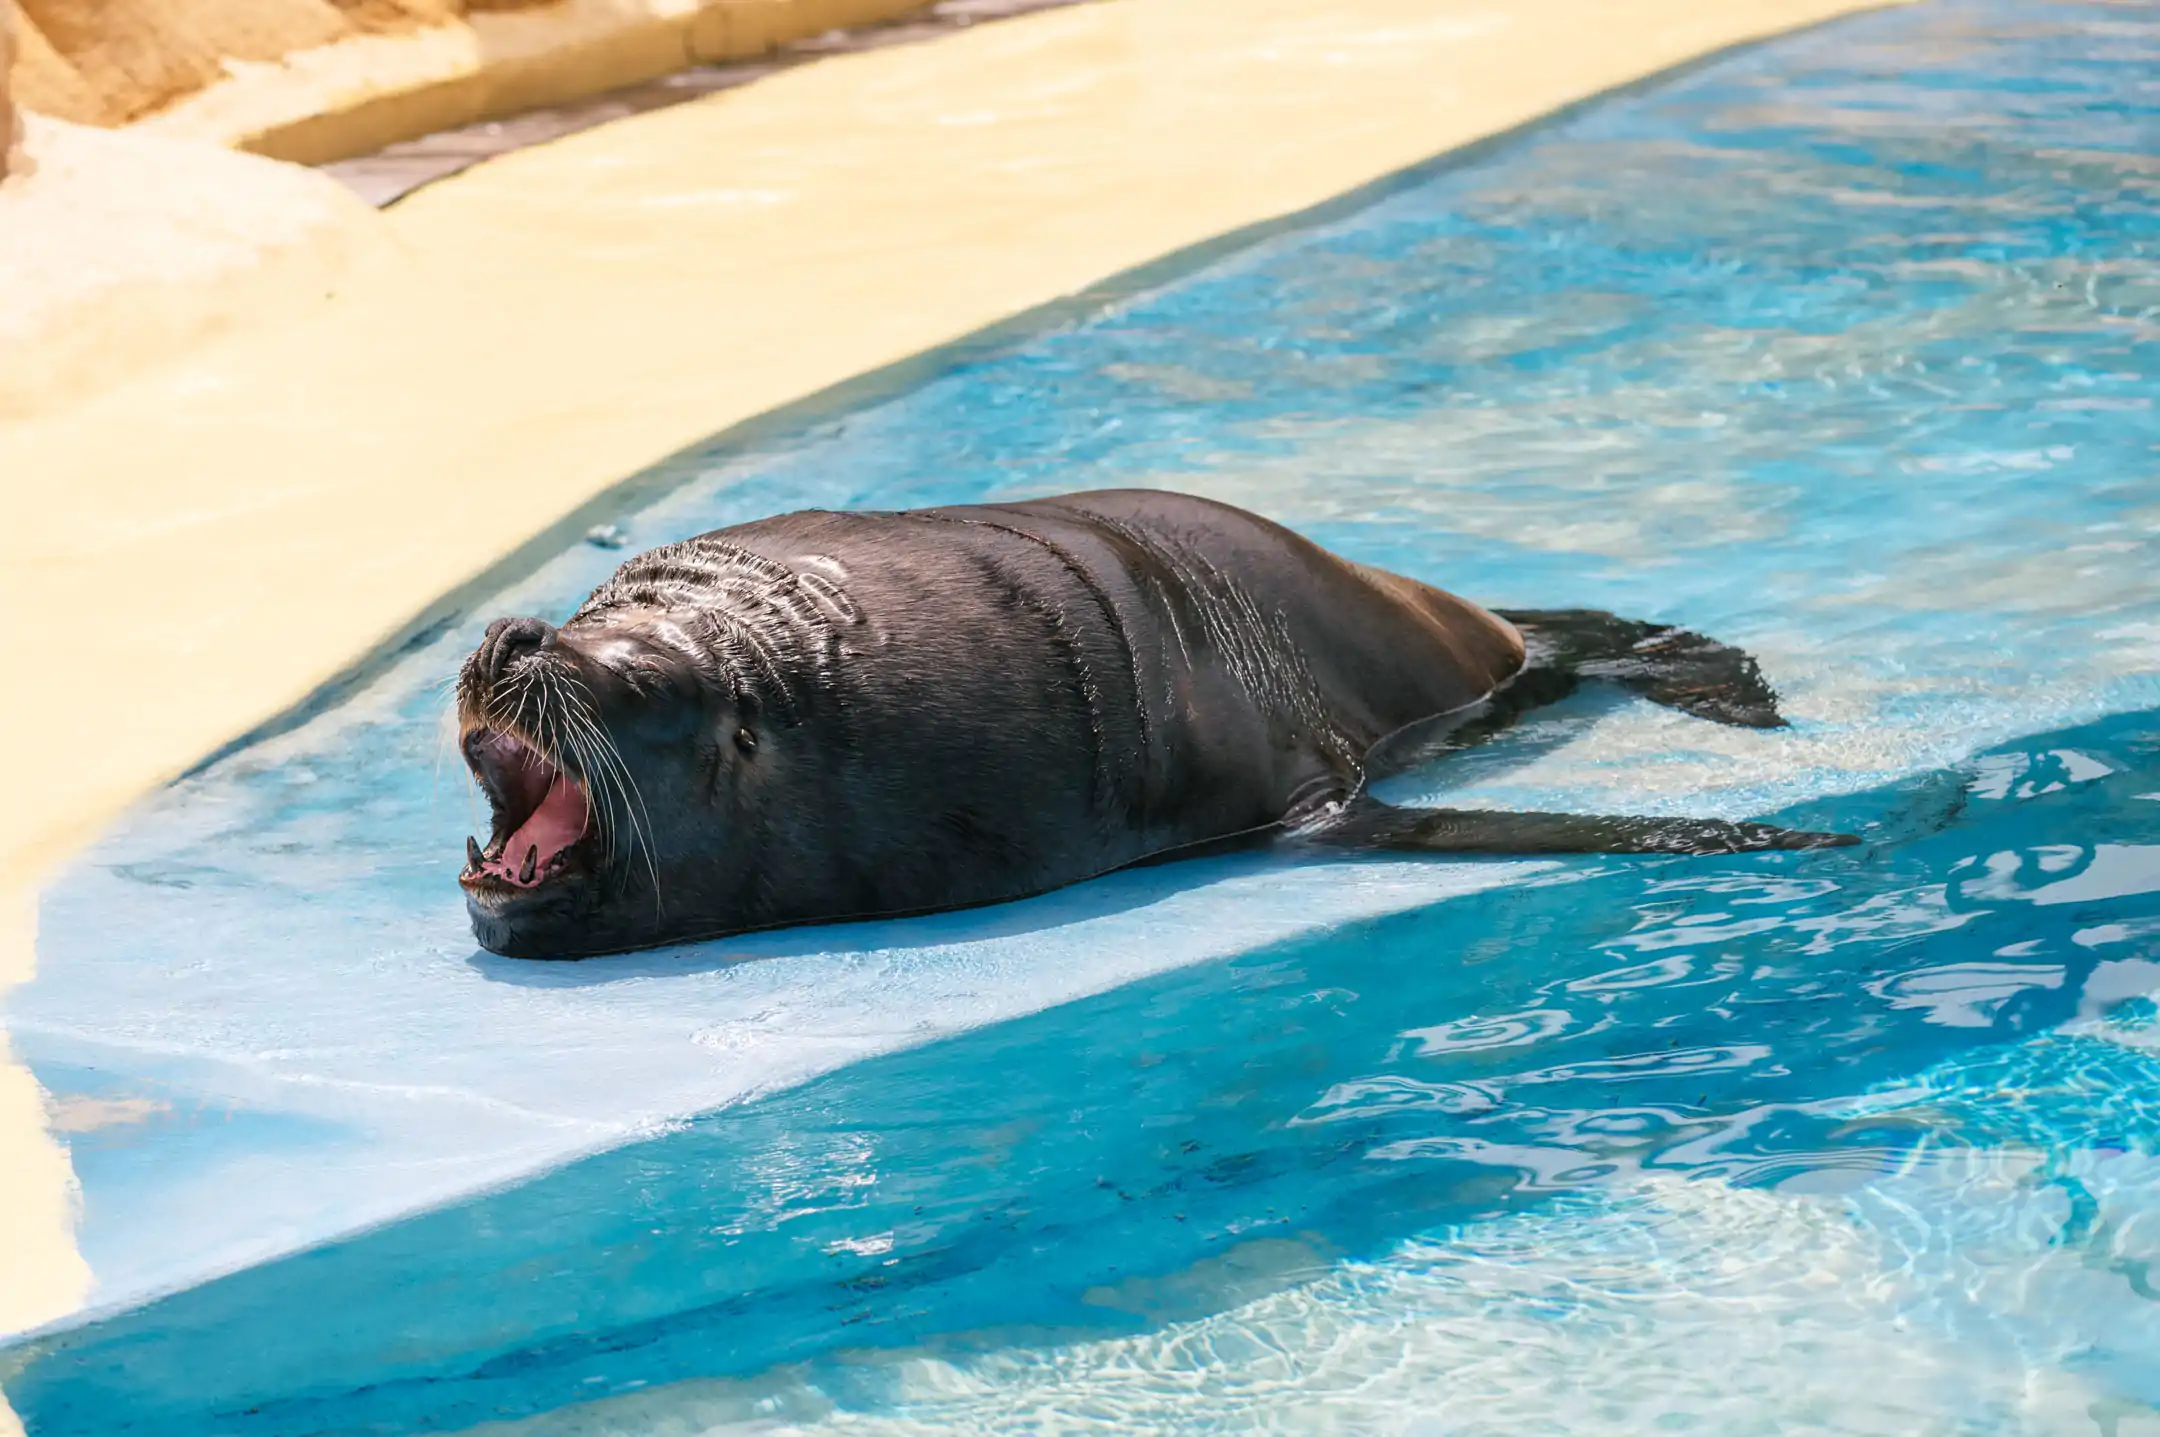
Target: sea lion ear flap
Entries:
(1675, 667)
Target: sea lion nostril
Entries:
(509, 640)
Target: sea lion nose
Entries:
(509, 640)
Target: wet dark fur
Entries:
(824, 716)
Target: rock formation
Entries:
(10, 122)
(106, 62)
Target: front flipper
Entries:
(1368, 823)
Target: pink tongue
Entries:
(557, 823)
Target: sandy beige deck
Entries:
(198, 548)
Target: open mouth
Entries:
(542, 819)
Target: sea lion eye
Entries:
(746, 740)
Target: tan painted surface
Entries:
(200, 547)
(119, 250)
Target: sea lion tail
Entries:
(1675, 667)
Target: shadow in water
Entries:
(1193, 1140)
(1122, 892)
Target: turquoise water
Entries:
(1844, 349)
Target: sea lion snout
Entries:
(507, 641)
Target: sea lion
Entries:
(827, 716)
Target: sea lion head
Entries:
(626, 756)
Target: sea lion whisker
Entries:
(605, 763)
(554, 711)
(637, 843)
(599, 806)
(598, 782)
(448, 728)
(641, 842)
(617, 776)
(504, 705)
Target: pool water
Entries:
(1843, 349)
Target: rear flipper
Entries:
(1370, 824)
(1670, 666)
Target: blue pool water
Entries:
(1844, 349)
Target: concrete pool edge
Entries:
(769, 421)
